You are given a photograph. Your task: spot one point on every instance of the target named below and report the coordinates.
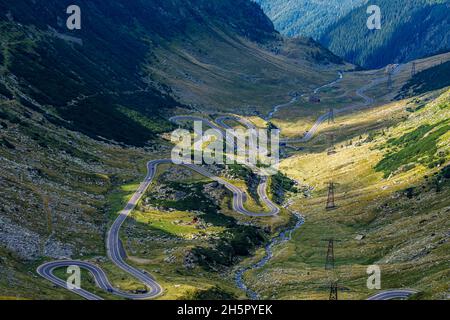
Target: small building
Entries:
(314, 99)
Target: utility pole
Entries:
(389, 83)
(330, 201)
(331, 148)
(334, 291)
(330, 261)
(331, 116)
(329, 264)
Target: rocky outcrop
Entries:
(23, 242)
(57, 250)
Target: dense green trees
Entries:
(431, 79)
(410, 30)
(308, 18)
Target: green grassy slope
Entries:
(112, 72)
(55, 188)
(70, 112)
(392, 187)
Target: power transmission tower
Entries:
(389, 83)
(331, 116)
(331, 148)
(329, 264)
(330, 261)
(330, 201)
(413, 69)
(334, 291)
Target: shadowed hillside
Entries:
(81, 112)
(410, 30)
(114, 72)
(308, 18)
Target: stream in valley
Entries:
(284, 236)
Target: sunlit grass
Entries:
(396, 228)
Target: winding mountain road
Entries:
(295, 99)
(393, 294)
(359, 92)
(384, 295)
(113, 244)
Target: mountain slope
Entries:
(428, 80)
(309, 18)
(81, 112)
(239, 75)
(94, 76)
(391, 172)
(410, 30)
(114, 72)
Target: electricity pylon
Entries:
(413, 69)
(334, 291)
(331, 205)
(331, 116)
(331, 147)
(389, 82)
(329, 263)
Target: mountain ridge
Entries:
(409, 31)
(309, 18)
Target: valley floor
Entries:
(389, 166)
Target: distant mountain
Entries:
(410, 29)
(308, 18)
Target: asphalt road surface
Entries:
(295, 99)
(153, 289)
(393, 295)
(360, 92)
(113, 243)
